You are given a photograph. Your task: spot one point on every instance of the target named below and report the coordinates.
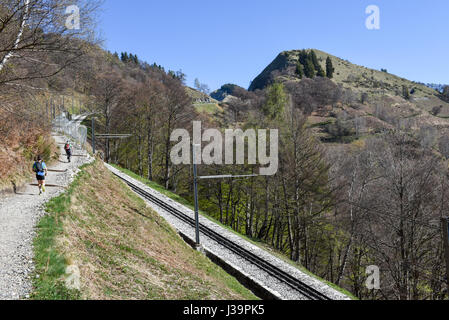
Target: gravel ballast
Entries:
(273, 286)
(19, 215)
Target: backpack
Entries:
(39, 167)
(67, 146)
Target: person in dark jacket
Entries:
(40, 168)
(68, 150)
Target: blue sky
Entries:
(232, 41)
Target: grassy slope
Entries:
(260, 244)
(362, 79)
(382, 89)
(123, 249)
(209, 108)
(196, 95)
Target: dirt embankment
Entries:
(123, 249)
(17, 152)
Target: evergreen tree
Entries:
(125, 57)
(172, 74)
(276, 101)
(405, 92)
(316, 65)
(329, 68)
(320, 72)
(309, 70)
(446, 92)
(134, 59)
(299, 70)
(314, 58)
(303, 56)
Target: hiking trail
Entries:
(19, 215)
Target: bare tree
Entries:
(39, 38)
(395, 209)
(107, 90)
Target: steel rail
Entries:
(294, 283)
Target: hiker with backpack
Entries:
(40, 168)
(68, 150)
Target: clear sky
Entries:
(232, 41)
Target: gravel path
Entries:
(19, 214)
(251, 271)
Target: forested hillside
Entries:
(362, 176)
(35, 46)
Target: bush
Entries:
(341, 130)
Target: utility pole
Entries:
(195, 187)
(196, 147)
(93, 135)
(445, 227)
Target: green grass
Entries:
(50, 264)
(119, 248)
(256, 242)
(180, 200)
(210, 108)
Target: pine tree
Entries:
(320, 72)
(314, 58)
(125, 57)
(309, 70)
(316, 65)
(405, 92)
(299, 70)
(446, 92)
(329, 68)
(303, 56)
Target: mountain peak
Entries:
(359, 78)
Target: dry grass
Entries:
(22, 137)
(124, 250)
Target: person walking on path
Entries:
(68, 150)
(40, 168)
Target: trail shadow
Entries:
(26, 194)
(47, 185)
(58, 171)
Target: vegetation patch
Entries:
(207, 215)
(123, 249)
(18, 151)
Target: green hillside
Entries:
(349, 75)
(122, 248)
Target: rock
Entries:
(72, 280)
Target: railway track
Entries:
(279, 274)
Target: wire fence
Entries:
(73, 129)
